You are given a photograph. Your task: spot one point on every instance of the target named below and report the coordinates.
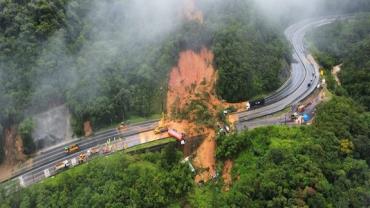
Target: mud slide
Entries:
(192, 83)
(193, 77)
(13, 147)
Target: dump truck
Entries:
(71, 149)
(176, 135)
(61, 165)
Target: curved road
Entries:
(303, 73)
(291, 92)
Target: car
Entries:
(309, 84)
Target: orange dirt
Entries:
(13, 152)
(88, 129)
(196, 76)
(226, 173)
(194, 79)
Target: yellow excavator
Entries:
(162, 127)
(122, 126)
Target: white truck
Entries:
(61, 165)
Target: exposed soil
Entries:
(226, 174)
(193, 77)
(335, 71)
(88, 128)
(13, 148)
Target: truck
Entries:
(247, 105)
(94, 150)
(257, 102)
(294, 116)
(177, 135)
(160, 130)
(61, 165)
(122, 126)
(71, 149)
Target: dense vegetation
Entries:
(323, 165)
(97, 60)
(147, 180)
(348, 43)
(107, 62)
(250, 53)
(56, 52)
(318, 166)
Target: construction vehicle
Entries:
(301, 109)
(179, 136)
(82, 158)
(71, 149)
(294, 116)
(122, 126)
(62, 165)
(95, 150)
(161, 128)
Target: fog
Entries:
(112, 34)
(277, 9)
(289, 11)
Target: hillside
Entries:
(346, 43)
(114, 60)
(316, 166)
(108, 63)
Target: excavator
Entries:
(122, 126)
(162, 127)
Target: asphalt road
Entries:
(48, 158)
(292, 91)
(302, 73)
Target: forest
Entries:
(347, 43)
(55, 52)
(108, 64)
(323, 165)
(308, 166)
(120, 180)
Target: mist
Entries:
(290, 11)
(110, 36)
(277, 9)
(105, 41)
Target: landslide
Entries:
(192, 104)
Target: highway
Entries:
(303, 73)
(48, 158)
(292, 91)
